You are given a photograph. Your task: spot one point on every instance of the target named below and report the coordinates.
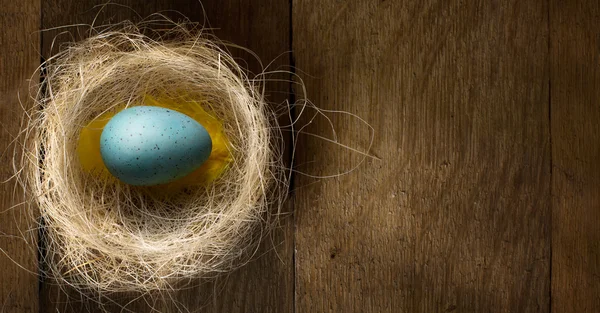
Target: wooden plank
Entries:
(575, 77)
(19, 45)
(265, 285)
(456, 215)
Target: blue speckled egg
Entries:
(147, 145)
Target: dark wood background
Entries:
(487, 122)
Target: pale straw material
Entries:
(107, 236)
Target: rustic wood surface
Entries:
(455, 217)
(19, 46)
(575, 72)
(483, 190)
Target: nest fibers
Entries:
(107, 236)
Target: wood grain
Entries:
(19, 44)
(455, 217)
(575, 73)
(485, 116)
(265, 285)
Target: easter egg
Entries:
(148, 145)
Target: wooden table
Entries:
(486, 118)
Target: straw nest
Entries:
(106, 236)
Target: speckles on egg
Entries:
(148, 145)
